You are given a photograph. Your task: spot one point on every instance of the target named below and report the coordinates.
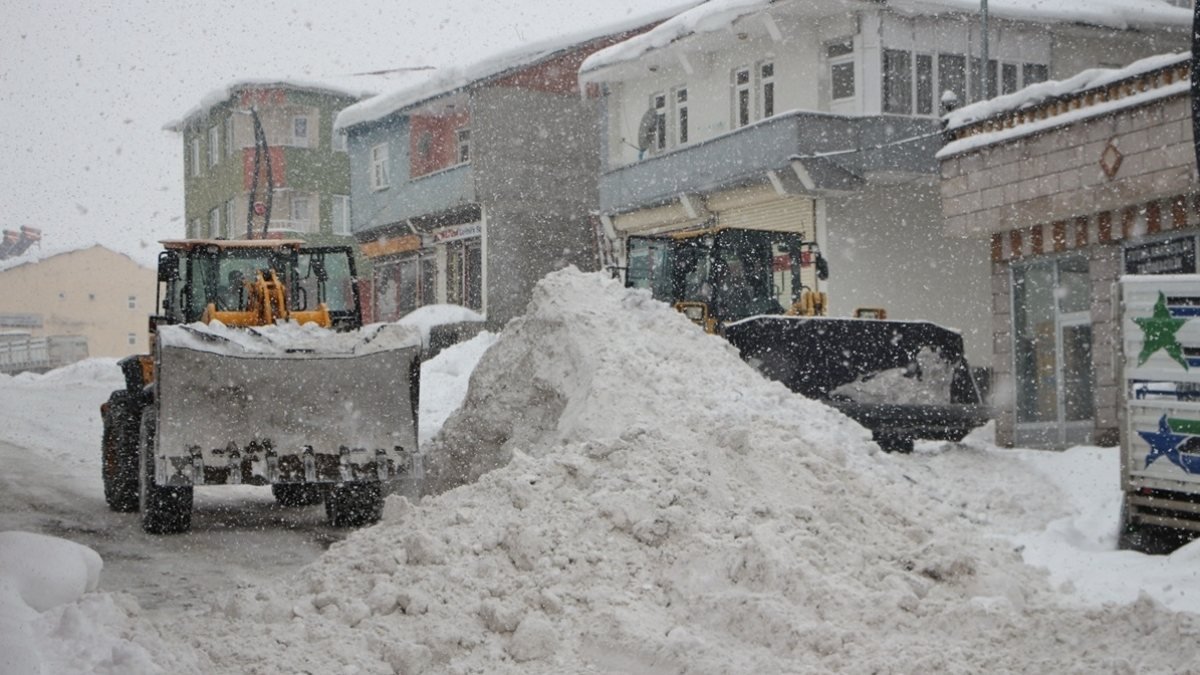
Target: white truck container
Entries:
(1160, 432)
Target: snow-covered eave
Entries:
(983, 120)
(716, 15)
(985, 139)
(218, 96)
(498, 66)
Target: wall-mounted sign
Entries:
(1168, 256)
(457, 232)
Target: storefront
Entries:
(1073, 190)
(440, 267)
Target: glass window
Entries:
(924, 84)
(767, 86)
(952, 77)
(214, 223)
(897, 82)
(196, 169)
(1032, 73)
(300, 131)
(230, 148)
(231, 216)
(380, 178)
(214, 145)
(741, 100)
(341, 214)
(1035, 350)
(841, 69)
(299, 211)
(681, 115)
(1008, 78)
(337, 140)
(659, 101)
(463, 138)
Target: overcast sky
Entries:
(86, 87)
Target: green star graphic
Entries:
(1159, 331)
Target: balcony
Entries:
(834, 153)
(434, 193)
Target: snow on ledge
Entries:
(716, 15)
(220, 95)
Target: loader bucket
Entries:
(268, 405)
(927, 387)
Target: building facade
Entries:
(824, 117)
(468, 189)
(96, 293)
(1071, 186)
(310, 167)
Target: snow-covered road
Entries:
(740, 538)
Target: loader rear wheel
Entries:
(354, 504)
(296, 494)
(119, 460)
(165, 510)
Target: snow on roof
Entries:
(717, 15)
(41, 253)
(222, 94)
(1033, 95)
(453, 79)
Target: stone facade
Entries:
(1090, 175)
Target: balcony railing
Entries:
(836, 153)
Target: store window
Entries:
(1052, 352)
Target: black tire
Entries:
(119, 452)
(894, 443)
(296, 494)
(165, 510)
(354, 504)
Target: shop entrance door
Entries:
(1052, 353)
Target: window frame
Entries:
(743, 94)
(462, 145)
(214, 222)
(299, 211)
(765, 88)
(214, 145)
(300, 122)
(896, 77)
(340, 204)
(841, 62)
(679, 96)
(197, 168)
(338, 140)
(380, 171)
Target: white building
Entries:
(824, 116)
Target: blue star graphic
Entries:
(1165, 443)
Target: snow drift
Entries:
(644, 502)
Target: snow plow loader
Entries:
(903, 380)
(260, 372)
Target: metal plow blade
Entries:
(273, 406)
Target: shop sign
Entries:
(1169, 256)
(457, 232)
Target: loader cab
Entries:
(194, 274)
(717, 276)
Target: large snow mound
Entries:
(644, 502)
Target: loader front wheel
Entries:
(165, 509)
(296, 494)
(119, 460)
(354, 504)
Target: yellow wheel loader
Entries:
(903, 380)
(260, 372)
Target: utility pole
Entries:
(983, 50)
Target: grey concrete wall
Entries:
(536, 158)
(886, 249)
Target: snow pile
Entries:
(928, 382)
(37, 574)
(429, 317)
(287, 337)
(444, 382)
(653, 505)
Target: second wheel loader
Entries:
(903, 380)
